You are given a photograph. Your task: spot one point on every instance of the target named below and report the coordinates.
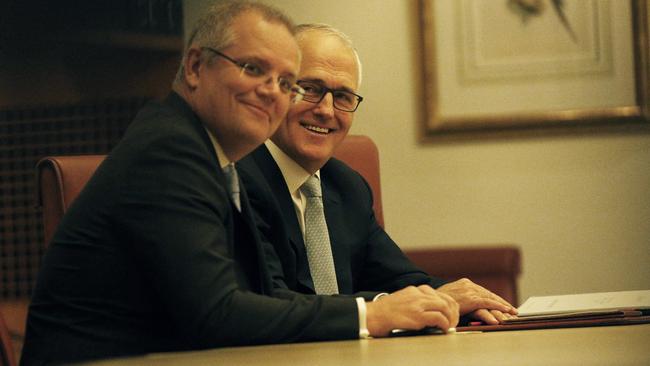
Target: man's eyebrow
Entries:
(255, 60)
(322, 82)
(263, 63)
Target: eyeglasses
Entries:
(255, 71)
(343, 100)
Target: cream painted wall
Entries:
(578, 206)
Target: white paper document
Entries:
(621, 300)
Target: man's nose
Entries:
(326, 105)
(270, 87)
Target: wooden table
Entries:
(613, 345)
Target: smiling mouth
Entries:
(316, 129)
(258, 110)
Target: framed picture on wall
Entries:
(520, 64)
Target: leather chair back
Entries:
(361, 153)
(60, 179)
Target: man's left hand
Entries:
(479, 302)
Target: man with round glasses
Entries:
(155, 254)
(364, 260)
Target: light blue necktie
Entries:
(317, 240)
(233, 184)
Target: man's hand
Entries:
(479, 302)
(492, 317)
(411, 308)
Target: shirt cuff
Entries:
(363, 325)
(379, 296)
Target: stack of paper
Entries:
(579, 310)
(601, 301)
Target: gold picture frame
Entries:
(474, 83)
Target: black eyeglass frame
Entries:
(328, 90)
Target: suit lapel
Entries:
(276, 181)
(269, 168)
(246, 215)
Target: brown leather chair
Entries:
(495, 267)
(7, 357)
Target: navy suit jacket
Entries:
(366, 259)
(153, 257)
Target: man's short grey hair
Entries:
(214, 28)
(326, 29)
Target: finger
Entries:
(450, 308)
(504, 302)
(485, 293)
(485, 316)
(434, 294)
(473, 296)
(498, 315)
(454, 307)
(514, 312)
(489, 303)
(427, 289)
(496, 297)
(447, 307)
(436, 319)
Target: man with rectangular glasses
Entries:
(338, 248)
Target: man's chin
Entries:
(273, 129)
(256, 129)
(252, 141)
(315, 157)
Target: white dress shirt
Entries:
(294, 176)
(221, 155)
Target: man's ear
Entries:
(192, 67)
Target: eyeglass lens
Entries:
(342, 99)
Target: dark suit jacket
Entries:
(152, 257)
(366, 259)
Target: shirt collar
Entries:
(221, 155)
(294, 175)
